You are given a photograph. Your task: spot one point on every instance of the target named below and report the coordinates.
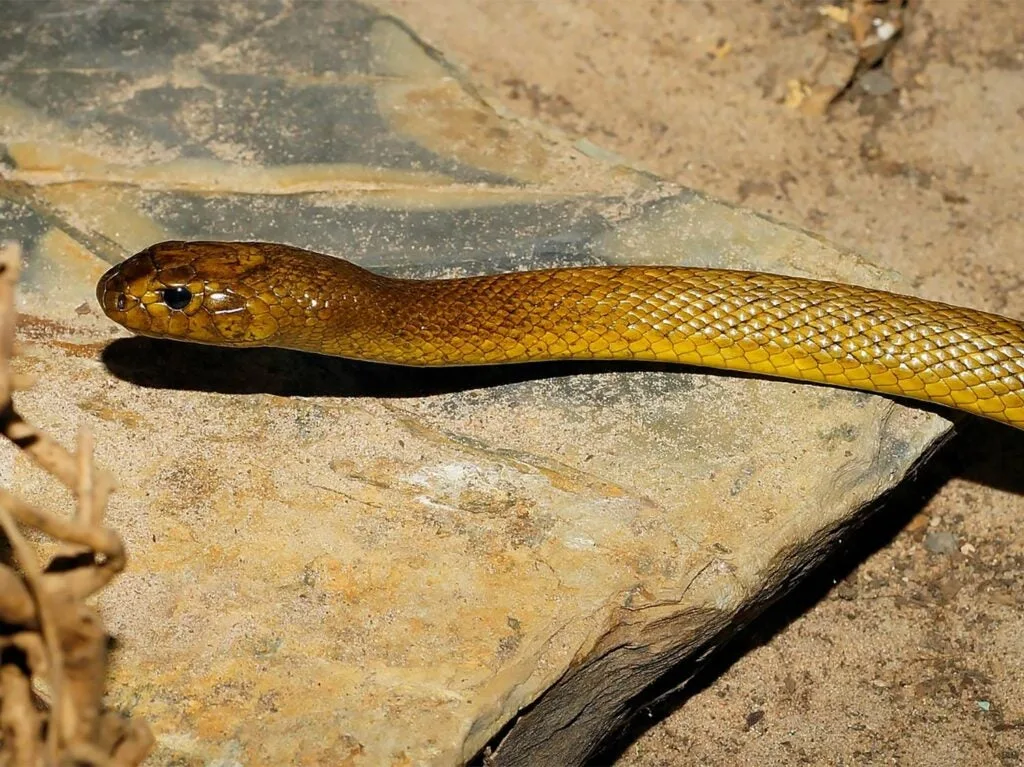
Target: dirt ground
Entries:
(914, 656)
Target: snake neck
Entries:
(518, 317)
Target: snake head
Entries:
(205, 292)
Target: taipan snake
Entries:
(261, 294)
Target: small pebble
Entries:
(754, 717)
(876, 82)
(940, 542)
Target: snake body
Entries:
(262, 294)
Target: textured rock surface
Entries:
(336, 562)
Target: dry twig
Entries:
(47, 631)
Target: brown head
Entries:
(232, 293)
(194, 291)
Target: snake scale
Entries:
(263, 294)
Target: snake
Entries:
(246, 294)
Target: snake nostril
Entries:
(121, 303)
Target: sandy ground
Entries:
(915, 655)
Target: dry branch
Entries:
(47, 631)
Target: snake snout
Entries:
(111, 292)
(119, 301)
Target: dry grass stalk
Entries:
(47, 631)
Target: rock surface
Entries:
(334, 562)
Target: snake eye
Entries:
(177, 297)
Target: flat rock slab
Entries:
(350, 564)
